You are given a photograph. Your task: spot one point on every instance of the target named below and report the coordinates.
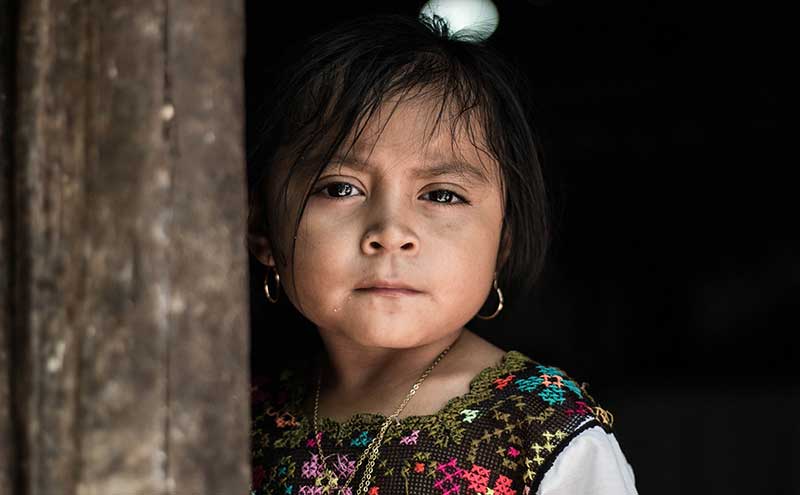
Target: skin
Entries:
(390, 224)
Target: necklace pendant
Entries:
(328, 481)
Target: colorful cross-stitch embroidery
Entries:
(498, 439)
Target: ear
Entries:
(260, 247)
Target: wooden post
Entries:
(8, 449)
(131, 327)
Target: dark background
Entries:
(673, 279)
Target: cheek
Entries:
(466, 256)
(323, 259)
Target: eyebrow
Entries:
(459, 168)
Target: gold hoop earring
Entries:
(499, 303)
(277, 284)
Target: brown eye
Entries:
(445, 197)
(338, 189)
(442, 196)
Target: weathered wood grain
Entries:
(209, 363)
(130, 204)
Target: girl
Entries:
(398, 195)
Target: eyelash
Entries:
(461, 199)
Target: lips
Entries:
(390, 292)
(388, 287)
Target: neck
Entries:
(351, 370)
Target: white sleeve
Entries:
(592, 464)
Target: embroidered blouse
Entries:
(522, 428)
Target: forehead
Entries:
(421, 129)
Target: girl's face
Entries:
(396, 212)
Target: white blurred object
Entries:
(479, 17)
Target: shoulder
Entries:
(592, 462)
(552, 409)
(556, 394)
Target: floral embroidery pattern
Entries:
(553, 382)
(450, 482)
(498, 439)
(410, 439)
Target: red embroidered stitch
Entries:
(478, 478)
(503, 486)
(582, 409)
(502, 382)
(282, 419)
(547, 383)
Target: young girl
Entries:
(398, 196)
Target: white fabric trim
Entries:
(592, 464)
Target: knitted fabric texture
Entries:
(497, 439)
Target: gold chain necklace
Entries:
(328, 480)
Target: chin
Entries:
(397, 334)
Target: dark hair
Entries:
(339, 79)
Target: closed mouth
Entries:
(387, 286)
(389, 291)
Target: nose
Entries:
(389, 236)
(389, 222)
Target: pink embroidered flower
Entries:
(312, 468)
(410, 439)
(344, 466)
(450, 483)
(312, 442)
(310, 490)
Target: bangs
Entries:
(335, 106)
